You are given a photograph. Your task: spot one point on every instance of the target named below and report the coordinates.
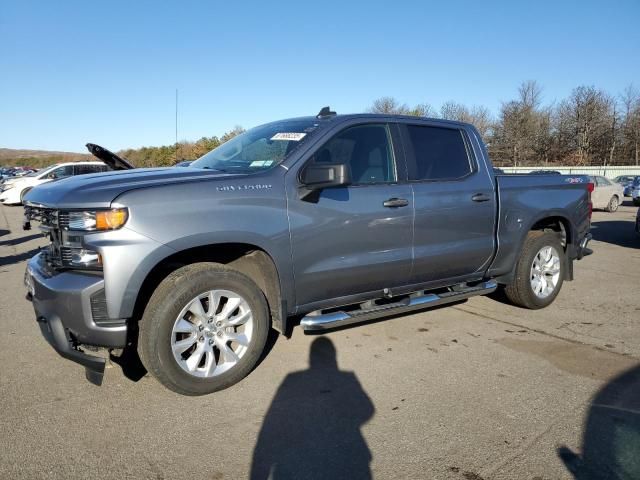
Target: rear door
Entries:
(357, 239)
(454, 200)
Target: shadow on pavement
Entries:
(312, 427)
(616, 232)
(611, 439)
(18, 241)
(11, 259)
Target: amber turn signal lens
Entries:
(111, 219)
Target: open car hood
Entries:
(111, 159)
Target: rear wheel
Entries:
(204, 329)
(613, 204)
(539, 272)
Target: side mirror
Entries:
(320, 176)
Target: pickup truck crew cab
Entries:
(329, 220)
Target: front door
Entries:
(355, 239)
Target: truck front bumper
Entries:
(63, 307)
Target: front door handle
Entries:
(480, 197)
(395, 202)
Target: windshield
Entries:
(260, 148)
(44, 171)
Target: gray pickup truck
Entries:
(321, 221)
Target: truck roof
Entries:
(380, 116)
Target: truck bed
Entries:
(525, 199)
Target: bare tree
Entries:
(588, 116)
(631, 124)
(588, 127)
(478, 116)
(390, 105)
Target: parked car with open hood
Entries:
(14, 189)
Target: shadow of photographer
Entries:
(611, 439)
(312, 427)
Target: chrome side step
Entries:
(316, 321)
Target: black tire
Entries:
(613, 205)
(23, 193)
(520, 291)
(166, 303)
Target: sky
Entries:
(107, 72)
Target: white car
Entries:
(13, 190)
(606, 195)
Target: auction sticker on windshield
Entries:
(261, 163)
(292, 136)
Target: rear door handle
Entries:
(395, 202)
(480, 197)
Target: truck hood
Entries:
(99, 190)
(114, 161)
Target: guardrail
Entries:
(609, 171)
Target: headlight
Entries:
(81, 257)
(98, 220)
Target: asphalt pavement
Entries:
(479, 390)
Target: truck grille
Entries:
(63, 220)
(49, 218)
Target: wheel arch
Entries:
(551, 220)
(248, 259)
(557, 223)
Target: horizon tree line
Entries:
(589, 127)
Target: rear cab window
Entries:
(437, 153)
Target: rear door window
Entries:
(85, 169)
(439, 153)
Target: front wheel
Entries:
(539, 272)
(613, 204)
(204, 329)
